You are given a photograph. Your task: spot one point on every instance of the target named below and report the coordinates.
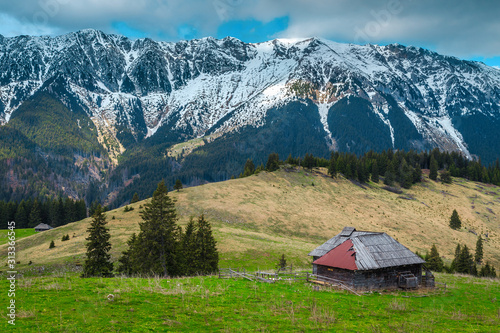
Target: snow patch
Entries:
(386, 121)
(323, 109)
(447, 125)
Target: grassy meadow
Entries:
(63, 302)
(20, 233)
(255, 220)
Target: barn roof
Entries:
(43, 226)
(373, 250)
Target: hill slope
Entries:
(256, 219)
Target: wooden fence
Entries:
(325, 280)
(270, 277)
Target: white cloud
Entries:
(458, 27)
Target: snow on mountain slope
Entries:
(223, 85)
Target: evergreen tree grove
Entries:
(98, 258)
(161, 248)
(158, 240)
(488, 271)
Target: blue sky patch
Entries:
(494, 61)
(253, 31)
(123, 28)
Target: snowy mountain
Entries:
(286, 95)
(217, 86)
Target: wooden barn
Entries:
(369, 260)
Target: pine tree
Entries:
(479, 250)
(433, 168)
(178, 185)
(22, 216)
(332, 167)
(465, 262)
(488, 271)
(361, 171)
(206, 256)
(249, 168)
(35, 215)
(52, 245)
(273, 162)
(82, 209)
(434, 261)
(445, 177)
(417, 174)
(308, 162)
(135, 198)
(473, 270)
(188, 248)
(454, 263)
(389, 178)
(98, 259)
(281, 262)
(158, 241)
(455, 222)
(375, 172)
(69, 211)
(126, 264)
(61, 216)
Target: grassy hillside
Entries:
(256, 219)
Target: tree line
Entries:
(403, 168)
(463, 262)
(54, 212)
(161, 248)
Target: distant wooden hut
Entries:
(369, 260)
(43, 227)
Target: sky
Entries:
(465, 29)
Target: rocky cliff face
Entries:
(401, 97)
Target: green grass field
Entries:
(20, 233)
(63, 302)
(255, 220)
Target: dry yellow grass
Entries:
(258, 217)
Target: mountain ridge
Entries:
(143, 93)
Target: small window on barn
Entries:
(330, 269)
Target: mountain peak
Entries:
(213, 85)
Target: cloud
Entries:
(461, 27)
